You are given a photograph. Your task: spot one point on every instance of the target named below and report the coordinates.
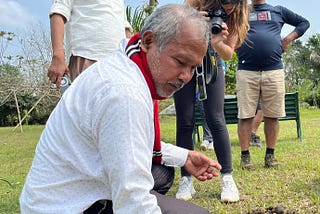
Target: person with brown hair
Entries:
(229, 18)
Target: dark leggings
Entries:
(214, 110)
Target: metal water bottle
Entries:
(65, 83)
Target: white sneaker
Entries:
(206, 145)
(210, 145)
(230, 191)
(186, 189)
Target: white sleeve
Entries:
(125, 137)
(62, 7)
(173, 155)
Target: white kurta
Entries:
(94, 27)
(98, 144)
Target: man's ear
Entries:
(148, 39)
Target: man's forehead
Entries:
(187, 53)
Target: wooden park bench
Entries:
(231, 113)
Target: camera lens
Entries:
(216, 28)
(216, 25)
(218, 16)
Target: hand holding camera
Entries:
(217, 17)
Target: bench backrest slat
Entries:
(231, 111)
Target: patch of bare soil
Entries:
(273, 210)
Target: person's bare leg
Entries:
(271, 130)
(257, 121)
(244, 133)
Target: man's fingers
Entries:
(53, 79)
(215, 165)
(58, 82)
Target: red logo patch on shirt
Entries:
(264, 16)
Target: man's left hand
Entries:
(201, 167)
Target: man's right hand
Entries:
(57, 68)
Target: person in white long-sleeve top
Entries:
(95, 153)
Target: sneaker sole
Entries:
(229, 200)
(270, 166)
(184, 198)
(247, 167)
(187, 198)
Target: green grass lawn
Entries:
(295, 186)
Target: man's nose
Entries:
(186, 75)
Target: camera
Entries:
(65, 83)
(217, 16)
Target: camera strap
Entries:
(200, 84)
(206, 73)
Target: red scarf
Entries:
(136, 54)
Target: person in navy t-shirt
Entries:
(260, 72)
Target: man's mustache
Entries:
(177, 84)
